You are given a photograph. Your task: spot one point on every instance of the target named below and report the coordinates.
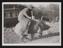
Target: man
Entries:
(23, 21)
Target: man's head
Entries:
(30, 7)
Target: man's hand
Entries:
(33, 18)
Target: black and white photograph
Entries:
(31, 23)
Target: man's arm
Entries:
(27, 16)
(31, 18)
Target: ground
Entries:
(12, 37)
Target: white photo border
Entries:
(29, 44)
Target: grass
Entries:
(11, 37)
